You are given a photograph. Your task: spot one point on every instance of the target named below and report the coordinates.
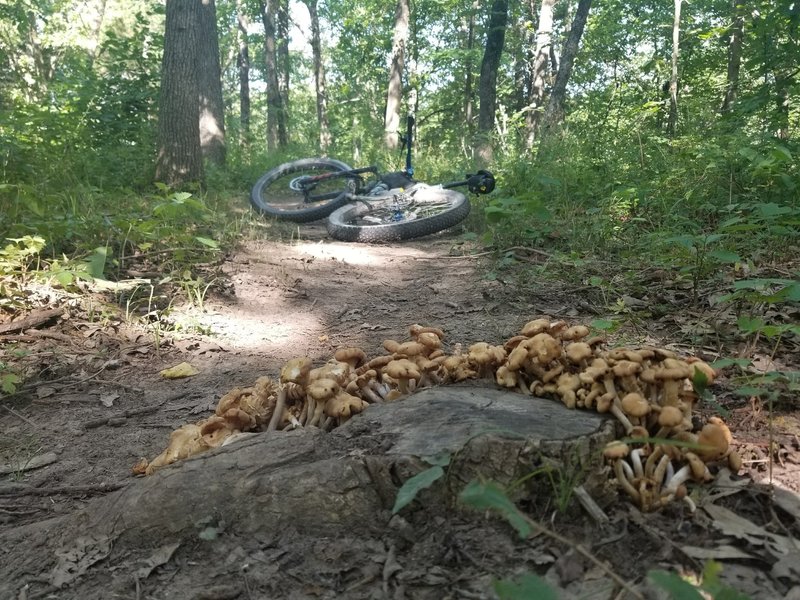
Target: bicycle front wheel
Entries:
(389, 218)
(291, 192)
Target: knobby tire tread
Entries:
(340, 224)
(313, 212)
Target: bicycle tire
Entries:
(272, 196)
(447, 208)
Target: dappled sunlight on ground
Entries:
(354, 254)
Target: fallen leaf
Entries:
(730, 523)
(107, 400)
(76, 560)
(724, 552)
(160, 557)
(184, 369)
(45, 391)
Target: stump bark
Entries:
(327, 483)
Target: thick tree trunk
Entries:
(734, 58)
(495, 40)
(541, 58)
(319, 78)
(268, 16)
(209, 82)
(243, 63)
(391, 122)
(179, 160)
(554, 113)
(672, 119)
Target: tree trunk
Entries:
(541, 58)
(554, 113)
(284, 68)
(209, 82)
(243, 63)
(319, 78)
(673, 80)
(734, 58)
(469, 76)
(268, 15)
(391, 122)
(179, 160)
(782, 102)
(495, 39)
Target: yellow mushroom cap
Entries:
(635, 405)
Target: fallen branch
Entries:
(32, 320)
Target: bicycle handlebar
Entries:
(480, 183)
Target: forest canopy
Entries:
(679, 118)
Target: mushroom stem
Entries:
(617, 411)
(636, 459)
(680, 476)
(625, 483)
(661, 470)
(277, 412)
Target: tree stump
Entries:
(328, 483)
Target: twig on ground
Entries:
(19, 416)
(538, 527)
(119, 418)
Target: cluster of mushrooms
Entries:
(648, 390)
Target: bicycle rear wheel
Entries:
(385, 219)
(279, 193)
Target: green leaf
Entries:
(97, 262)
(729, 362)
(724, 256)
(603, 324)
(414, 485)
(750, 325)
(677, 588)
(207, 242)
(491, 496)
(528, 587)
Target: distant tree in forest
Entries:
(179, 160)
(495, 39)
(391, 121)
(212, 108)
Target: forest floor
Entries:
(95, 403)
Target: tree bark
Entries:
(209, 80)
(179, 160)
(319, 78)
(391, 122)
(243, 63)
(541, 58)
(672, 119)
(495, 40)
(268, 16)
(469, 76)
(734, 58)
(554, 113)
(284, 68)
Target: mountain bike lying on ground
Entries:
(361, 204)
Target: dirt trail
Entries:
(305, 297)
